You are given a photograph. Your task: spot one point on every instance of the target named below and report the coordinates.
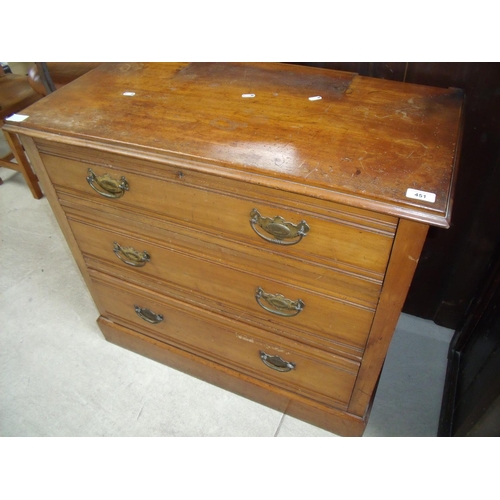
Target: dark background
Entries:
(454, 261)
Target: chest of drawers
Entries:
(254, 225)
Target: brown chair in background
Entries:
(16, 94)
(47, 77)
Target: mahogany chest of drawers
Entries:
(254, 225)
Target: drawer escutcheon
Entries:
(148, 315)
(276, 363)
(109, 187)
(279, 228)
(130, 256)
(281, 306)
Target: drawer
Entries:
(306, 371)
(251, 296)
(255, 215)
(363, 290)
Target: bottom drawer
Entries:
(306, 371)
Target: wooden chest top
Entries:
(329, 134)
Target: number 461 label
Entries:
(420, 195)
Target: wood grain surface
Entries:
(367, 139)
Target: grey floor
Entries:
(59, 377)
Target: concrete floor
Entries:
(59, 377)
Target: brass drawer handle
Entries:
(276, 363)
(148, 315)
(109, 187)
(280, 305)
(278, 228)
(130, 256)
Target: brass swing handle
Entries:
(106, 186)
(276, 363)
(278, 228)
(278, 304)
(130, 256)
(148, 315)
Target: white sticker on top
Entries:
(420, 195)
(315, 98)
(247, 96)
(129, 93)
(17, 118)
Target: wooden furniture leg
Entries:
(22, 164)
(16, 94)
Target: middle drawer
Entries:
(250, 296)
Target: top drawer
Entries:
(291, 224)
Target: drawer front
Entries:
(253, 297)
(256, 216)
(313, 374)
(363, 290)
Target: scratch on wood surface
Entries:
(363, 157)
(314, 136)
(312, 171)
(417, 147)
(246, 339)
